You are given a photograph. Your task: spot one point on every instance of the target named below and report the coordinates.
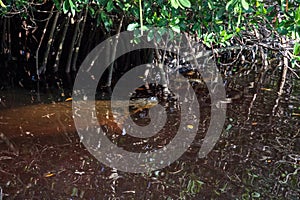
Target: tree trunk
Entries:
(37, 53)
(44, 63)
(9, 39)
(63, 36)
(2, 33)
(71, 49)
(115, 44)
(75, 56)
(163, 75)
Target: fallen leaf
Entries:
(47, 175)
(190, 126)
(266, 89)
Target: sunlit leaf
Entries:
(229, 4)
(176, 28)
(210, 5)
(174, 3)
(296, 50)
(245, 4)
(132, 26)
(185, 3)
(297, 15)
(200, 182)
(156, 173)
(2, 4)
(72, 7)
(228, 127)
(47, 175)
(266, 89)
(190, 126)
(255, 195)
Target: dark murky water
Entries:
(256, 157)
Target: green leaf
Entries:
(176, 28)
(132, 26)
(57, 4)
(199, 182)
(74, 192)
(270, 9)
(66, 7)
(72, 7)
(296, 49)
(174, 4)
(175, 20)
(92, 11)
(2, 4)
(185, 3)
(229, 4)
(255, 195)
(245, 4)
(110, 6)
(227, 37)
(162, 30)
(71, 3)
(210, 5)
(145, 28)
(229, 126)
(298, 59)
(103, 17)
(297, 15)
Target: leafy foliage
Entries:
(214, 22)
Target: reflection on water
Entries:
(257, 156)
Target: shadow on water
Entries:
(257, 156)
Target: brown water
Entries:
(257, 156)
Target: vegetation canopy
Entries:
(220, 25)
